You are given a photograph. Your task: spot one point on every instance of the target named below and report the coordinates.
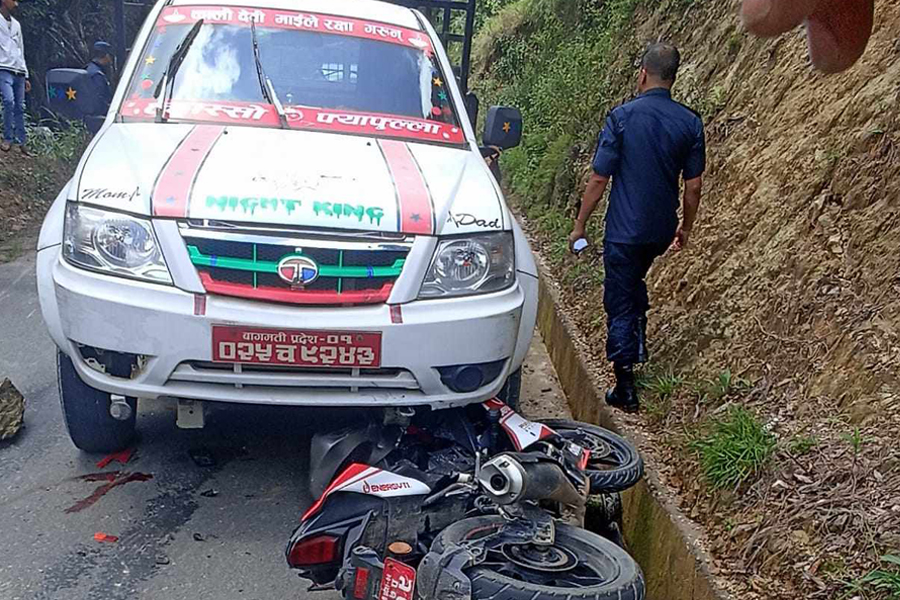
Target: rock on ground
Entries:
(12, 410)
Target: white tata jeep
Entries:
(286, 204)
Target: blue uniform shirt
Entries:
(645, 146)
(102, 90)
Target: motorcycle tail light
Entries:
(311, 552)
(361, 585)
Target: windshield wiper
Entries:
(167, 83)
(265, 84)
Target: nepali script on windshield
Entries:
(333, 74)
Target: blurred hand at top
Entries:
(837, 30)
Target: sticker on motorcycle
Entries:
(372, 482)
(398, 581)
(521, 431)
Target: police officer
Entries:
(645, 147)
(101, 59)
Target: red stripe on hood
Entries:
(172, 193)
(413, 198)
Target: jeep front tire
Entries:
(86, 413)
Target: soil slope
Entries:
(791, 283)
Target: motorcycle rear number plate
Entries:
(292, 347)
(398, 582)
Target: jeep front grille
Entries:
(245, 265)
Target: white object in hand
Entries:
(579, 245)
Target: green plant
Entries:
(882, 581)
(734, 43)
(717, 98)
(657, 390)
(855, 439)
(722, 386)
(657, 408)
(736, 448)
(801, 445)
(662, 386)
(64, 141)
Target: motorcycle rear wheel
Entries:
(614, 465)
(580, 565)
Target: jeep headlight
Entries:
(475, 264)
(113, 243)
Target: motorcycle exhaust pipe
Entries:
(508, 480)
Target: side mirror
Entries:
(503, 127)
(70, 93)
(472, 108)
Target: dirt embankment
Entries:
(28, 185)
(794, 280)
(790, 292)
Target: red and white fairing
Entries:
(371, 481)
(522, 432)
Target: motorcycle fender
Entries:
(441, 577)
(330, 451)
(346, 518)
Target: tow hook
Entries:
(119, 409)
(190, 414)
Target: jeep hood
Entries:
(293, 178)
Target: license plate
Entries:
(398, 581)
(293, 347)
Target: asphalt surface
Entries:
(192, 530)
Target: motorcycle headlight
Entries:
(113, 243)
(476, 264)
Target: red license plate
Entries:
(398, 582)
(347, 349)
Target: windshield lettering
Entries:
(341, 26)
(309, 119)
(256, 16)
(384, 32)
(293, 70)
(297, 21)
(211, 14)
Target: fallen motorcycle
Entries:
(467, 504)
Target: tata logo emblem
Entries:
(298, 270)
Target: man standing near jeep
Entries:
(14, 82)
(646, 146)
(101, 59)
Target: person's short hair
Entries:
(662, 60)
(101, 49)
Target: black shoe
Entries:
(624, 395)
(626, 400)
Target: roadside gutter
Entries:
(658, 534)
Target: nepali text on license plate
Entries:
(297, 348)
(398, 582)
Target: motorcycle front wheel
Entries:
(580, 565)
(614, 464)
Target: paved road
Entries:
(174, 541)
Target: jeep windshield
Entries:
(334, 74)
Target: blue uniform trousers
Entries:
(625, 297)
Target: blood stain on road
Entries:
(114, 479)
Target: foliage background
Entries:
(60, 33)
